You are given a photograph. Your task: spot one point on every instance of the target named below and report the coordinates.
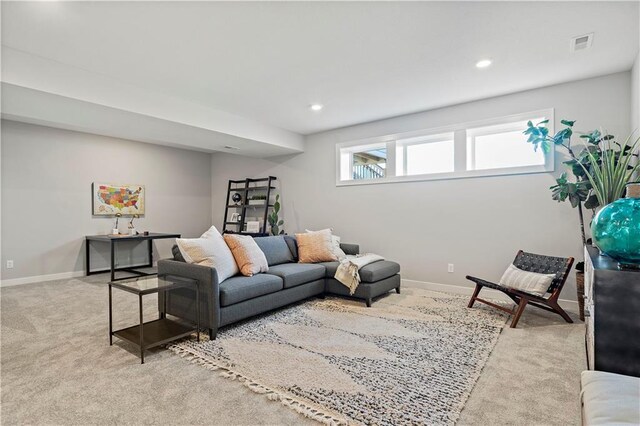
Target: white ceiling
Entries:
(267, 61)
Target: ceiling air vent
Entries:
(582, 42)
(231, 147)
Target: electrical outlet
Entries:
(450, 267)
(9, 264)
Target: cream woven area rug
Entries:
(412, 358)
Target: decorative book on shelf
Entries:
(249, 200)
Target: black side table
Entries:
(112, 240)
(147, 335)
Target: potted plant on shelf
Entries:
(600, 169)
(274, 222)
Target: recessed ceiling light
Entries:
(316, 107)
(483, 63)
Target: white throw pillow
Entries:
(528, 282)
(209, 250)
(335, 244)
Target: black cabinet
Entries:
(612, 308)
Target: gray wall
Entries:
(635, 96)
(477, 224)
(46, 196)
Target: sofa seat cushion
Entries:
(240, 288)
(377, 271)
(331, 268)
(294, 274)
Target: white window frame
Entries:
(460, 151)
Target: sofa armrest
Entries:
(180, 302)
(348, 248)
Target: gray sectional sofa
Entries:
(286, 282)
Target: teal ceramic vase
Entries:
(616, 228)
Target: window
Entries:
(364, 162)
(425, 155)
(501, 146)
(483, 148)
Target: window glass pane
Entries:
(499, 147)
(370, 163)
(430, 157)
(426, 154)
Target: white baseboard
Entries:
(571, 305)
(40, 278)
(60, 276)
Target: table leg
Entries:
(141, 330)
(150, 248)
(163, 294)
(113, 259)
(87, 257)
(110, 318)
(198, 311)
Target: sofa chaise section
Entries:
(376, 279)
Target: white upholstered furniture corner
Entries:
(610, 399)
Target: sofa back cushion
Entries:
(209, 250)
(275, 249)
(249, 258)
(293, 246)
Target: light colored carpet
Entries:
(58, 368)
(410, 359)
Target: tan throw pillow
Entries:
(250, 259)
(528, 282)
(315, 247)
(335, 244)
(209, 250)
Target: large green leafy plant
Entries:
(601, 168)
(274, 222)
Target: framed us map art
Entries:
(110, 199)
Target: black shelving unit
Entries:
(247, 188)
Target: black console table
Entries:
(112, 240)
(612, 311)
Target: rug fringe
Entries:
(297, 405)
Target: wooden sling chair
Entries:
(533, 263)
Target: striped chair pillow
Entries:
(528, 282)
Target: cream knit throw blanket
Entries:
(347, 272)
